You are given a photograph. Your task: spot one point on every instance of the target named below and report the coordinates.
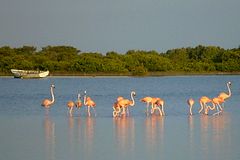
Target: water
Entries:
(28, 131)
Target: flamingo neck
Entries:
(84, 100)
(133, 101)
(52, 94)
(229, 90)
(213, 106)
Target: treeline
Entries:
(67, 59)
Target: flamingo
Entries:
(78, 103)
(156, 103)
(124, 103)
(70, 105)
(224, 95)
(147, 100)
(47, 102)
(89, 103)
(216, 104)
(116, 107)
(203, 102)
(190, 103)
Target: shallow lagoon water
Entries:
(28, 131)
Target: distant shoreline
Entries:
(150, 74)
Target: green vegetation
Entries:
(68, 60)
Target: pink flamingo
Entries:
(190, 103)
(203, 103)
(47, 102)
(89, 103)
(216, 104)
(124, 103)
(116, 107)
(78, 103)
(147, 100)
(70, 105)
(157, 103)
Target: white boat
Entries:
(29, 73)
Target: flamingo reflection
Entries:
(49, 132)
(204, 132)
(81, 135)
(154, 132)
(71, 132)
(191, 130)
(219, 126)
(79, 130)
(89, 133)
(125, 134)
(217, 130)
(214, 133)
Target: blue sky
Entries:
(120, 25)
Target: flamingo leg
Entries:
(200, 110)
(123, 111)
(190, 110)
(160, 111)
(206, 109)
(221, 107)
(152, 109)
(88, 109)
(119, 111)
(114, 114)
(163, 110)
(212, 108)
(71, 110)
(217, 108)
(218, 111)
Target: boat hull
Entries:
(29, 73)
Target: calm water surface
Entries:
(28, 131)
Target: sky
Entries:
(120, 25)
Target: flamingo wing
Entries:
(146, 99)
